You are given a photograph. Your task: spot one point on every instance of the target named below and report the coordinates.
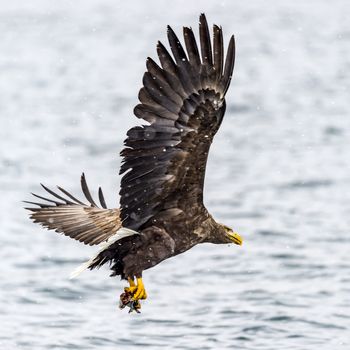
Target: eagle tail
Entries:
(97, 258)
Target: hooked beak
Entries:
(235, 238)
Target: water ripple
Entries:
(278, 172)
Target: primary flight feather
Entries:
(161, 210)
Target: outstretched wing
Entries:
(183, 101)
(86, 223)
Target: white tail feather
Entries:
(121, 233)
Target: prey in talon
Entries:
(132, 295)
(161, 212)
(126, 300)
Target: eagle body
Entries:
(159, 241)
(161, 212)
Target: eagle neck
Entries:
(214, 231)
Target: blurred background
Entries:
(278, 173)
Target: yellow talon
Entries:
(140, 292)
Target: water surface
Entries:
(278, 173)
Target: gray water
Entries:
(278, 173)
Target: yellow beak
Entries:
(236, 238)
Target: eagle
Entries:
(161, 212)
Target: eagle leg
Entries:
(132, 286)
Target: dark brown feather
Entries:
(183, 100)
(218, 52)
(229, 65)
(191, 47)
(207, 57)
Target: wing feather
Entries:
(218, 52)
(101, 198)
(170, 70)
(157, 74)
(176, 47)
(182, 99)
(157, 94)
(86, 191)
(191, 47)
(229, 65)
(86, 223)
(166, 61)
(207, 57)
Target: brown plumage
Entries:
(161, 195)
